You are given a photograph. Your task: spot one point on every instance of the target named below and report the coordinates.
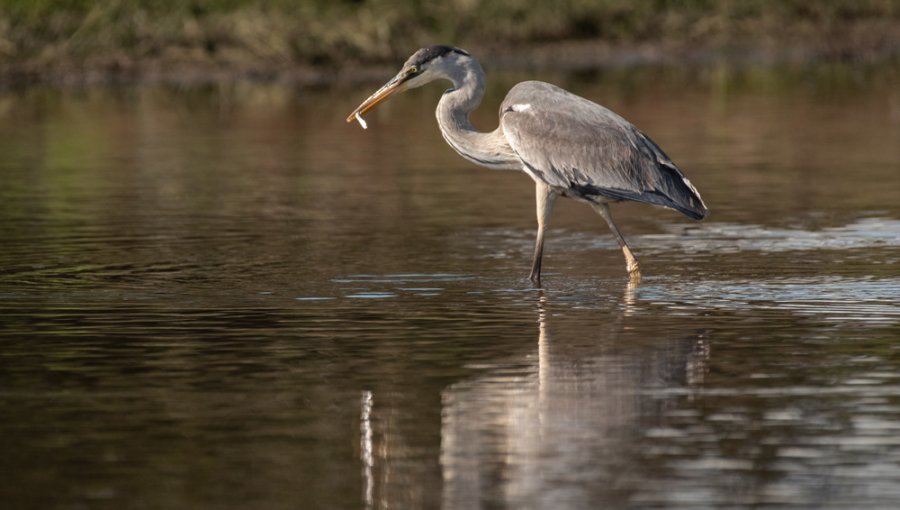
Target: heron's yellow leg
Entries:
(631, 263)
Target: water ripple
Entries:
(732, 237)
(708, 237)
(831, 298)
(401, 278)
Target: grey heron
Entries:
(568, 145)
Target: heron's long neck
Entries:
(486, 149)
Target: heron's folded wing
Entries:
(583, 148)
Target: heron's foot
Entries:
(633, 268)
(634, 276)
(634, 271)
(631, 263)
(535, 275)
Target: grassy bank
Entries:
(45, 38)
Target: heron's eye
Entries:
(413, 70)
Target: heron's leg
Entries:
(630, 262)
(545, 197)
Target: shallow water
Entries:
(226, 297)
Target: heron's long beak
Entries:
(387, 90)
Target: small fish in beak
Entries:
(362, 121)
(396, 84)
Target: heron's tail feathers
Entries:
(675, 190)
(669, 187)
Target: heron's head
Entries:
(427, 64)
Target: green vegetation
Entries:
(47, 36)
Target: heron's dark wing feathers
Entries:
(584, 149)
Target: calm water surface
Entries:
(226, 297)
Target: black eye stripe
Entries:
(432, 52)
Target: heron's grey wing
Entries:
(586, 150)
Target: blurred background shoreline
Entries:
(320, 42)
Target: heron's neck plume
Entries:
(486, 149)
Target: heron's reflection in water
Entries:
(565, 430)
(628, 298)
(366, 453)
(557, 425)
